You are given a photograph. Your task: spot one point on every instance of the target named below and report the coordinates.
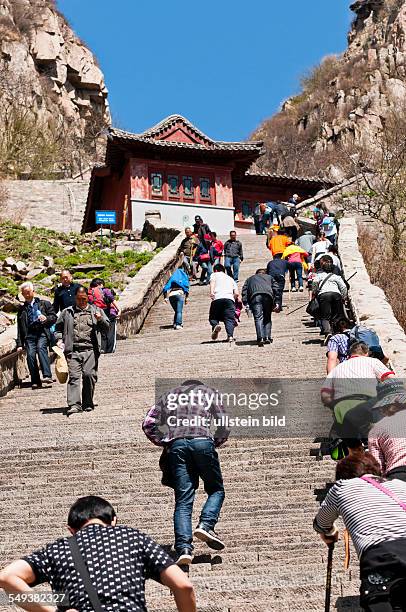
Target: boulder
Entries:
(34, 272)
(48, 262)
(51, 270)
(87, 267)
(139, 246)
(20, 267)
(9, 262)
(70, 248)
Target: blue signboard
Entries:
(106, 217)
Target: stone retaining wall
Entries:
(369, 302)
(13, 366)
(142, 292)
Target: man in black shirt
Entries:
(233, 255)
(119, 559)
(65, 292)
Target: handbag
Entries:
(204, 257)
(82, 570)
(61, 365)
(313, 307)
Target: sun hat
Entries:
(390, 391)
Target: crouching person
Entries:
(79, 333)
(180, 422)
(117, 560)
(374, 512)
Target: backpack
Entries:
(97, 297)
(360, 333)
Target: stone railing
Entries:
(142, 292)
(369, 303)
(13, 365)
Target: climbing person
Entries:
(373, 511)
(216, 249)
(291, 227)
(118, 560)
(294, 200)
(296, 258)
(306, 241)
(223, 292)
(202, 258)
(176, 292)
(320, 246)
(202, 231)
(187, 248)
(330, 229)
(277, 244)
(189, 455)
(233, 255)
(64, 294)
(257, 219)
(338, 346)
(104, 298)
(265, 217)
(387, 438)
(79, 332)
(258, 297)
(34, 319)
(330, 290)
(277, 269)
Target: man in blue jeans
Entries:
(181, 421)
(34, 319)
(233, 256)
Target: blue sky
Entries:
(224, 64)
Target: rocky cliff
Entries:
(53, 97)
(346, 99)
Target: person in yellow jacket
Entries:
(296, 258)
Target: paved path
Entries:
(273, 560)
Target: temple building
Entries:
(179, 172)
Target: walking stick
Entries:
(329, 575)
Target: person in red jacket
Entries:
(216, 249)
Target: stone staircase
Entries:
(57, 205)
(273, 559)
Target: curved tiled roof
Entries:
(255, 147)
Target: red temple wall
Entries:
(115, 188)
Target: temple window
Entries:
(188, 187)
(205, 188)
(173, 185)
(156, 183)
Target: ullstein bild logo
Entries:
(227, 421)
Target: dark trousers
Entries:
(109, 338)
(261, 306)
(388, 559)
(331, 307)
(36, 344)
(223, 310)
(295, 269)
(82, 369)
(188, 460)
(278, 285)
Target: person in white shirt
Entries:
(330, 290)
(223, 292)
(320, 246)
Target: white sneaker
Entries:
(178, 327)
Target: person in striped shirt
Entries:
(387, 439)
(377, 525)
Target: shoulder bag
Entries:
(313, 307)
(82, 570)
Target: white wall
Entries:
(219, 219)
